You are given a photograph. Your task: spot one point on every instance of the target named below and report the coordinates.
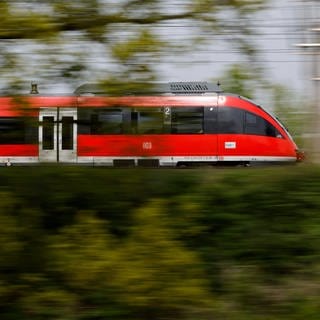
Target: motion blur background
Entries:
(95, 243)
(80, 41)
(254, 48)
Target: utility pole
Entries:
(313, 47)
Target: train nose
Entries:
(300, 155)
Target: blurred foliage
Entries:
(97, 243)
(294, 111)
(240, 79)
(69, 41)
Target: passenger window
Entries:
(84, 122)
(100, 121)
(230, 120)
(18, 130)
(210, 120)
(187, 120)
(107, 121)
(149, 120)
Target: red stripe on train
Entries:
(19, 150)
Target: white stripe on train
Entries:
(163, 161)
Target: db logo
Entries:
(147, 145)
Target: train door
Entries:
(58, 135)
(211, 127)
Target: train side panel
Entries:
(254, 148)
(169, 149)
(171, 130)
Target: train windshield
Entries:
(280, 124)
(273, 116)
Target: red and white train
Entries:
(183, 123)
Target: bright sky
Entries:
(282, 26)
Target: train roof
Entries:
(171, 88)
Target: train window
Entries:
(148, 120)
(84, 121)
(100, 121)
(210, 120)
(107, 121)
(255, 124)
(134, 122)
(48, 133)
(187, 120)
(31, 130)
(230, 120)
(18, 130)
(67, 133)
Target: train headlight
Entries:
(300, 155)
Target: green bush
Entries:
(99, 243)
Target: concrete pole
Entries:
(313, 47)
(316, 125)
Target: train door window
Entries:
(230, 120)
(150, 120)
(256, 125)
(210, 120)
(48, 133)
(67, 133)
(187, 120)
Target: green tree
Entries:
(197, 244)
(147, 275)
(110, 40)
(293, 110)
(240, 79)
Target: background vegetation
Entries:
(110, 41)
(95, 243)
